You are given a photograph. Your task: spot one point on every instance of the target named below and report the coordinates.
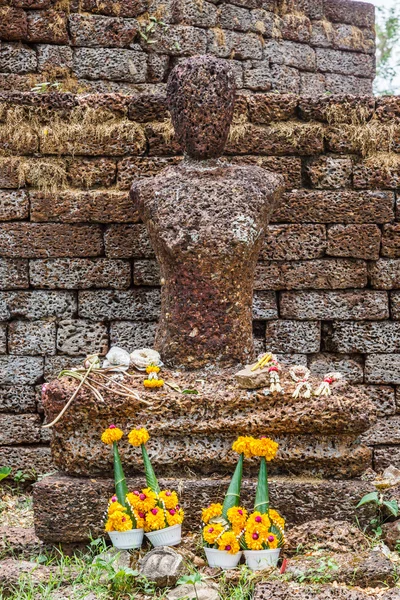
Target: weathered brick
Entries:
(369, 337)
(15, 58)
(385, 273)
(146, 106)
(387, 456)
(114, 64)
(345, 63)
(78, 336)
(395, 305)
(351, 367)
(235, 18)
(391, 240)
(286, 138)
(317, 274)
(130, 334)
(291, 54)
(295, 27)
(158, 67)
(383, 398)
(388, 108)
(257, 75)
(122, 8)
(32, 3)
(32, 338)
(80, 273)
(34, 240)
(327, 172)
(361, 14)
(92, 172)
(194, 13)
(285, 80)
(20, 370)
(48, 27)
(375, 173)
(341, 37)
(94, 30)
(13, 205)
(241, 46)
(287, 166)
(37, 304)
(356, 241)
(328, 305)
(177, 40)
(161, 139)
(146, 272)
(265, 108)
(13, 24)
(127, 241)
(294, 242)
(57, 59)
(347, 84)
(10, 172)
(312, 83)
(19, 429)
(3, 338)
(17, 399)
(53, 365)
(263, 21)
(264, 305)
(101, 206)
(309, 206)
(133, 167)
(385, 431)
(382, 368)
(38, 458)
(350, 109)
(135, 305)
(293, 336)
(13, 274)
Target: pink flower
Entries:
(271, 538)
(258, 519)
(228, 547)
(154, 511)
(255, 536)
(112, 427)
(142, 496)
(114, 499)
(172, 512)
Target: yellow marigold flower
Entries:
(114, 506)
(111, 435)
(155, 520)
(237, 516)
(258, 522)
(174, 517)
(243, 445)
(264, 447)
(272, 541)
(214, 510)
(254, 540)
(169, 498)
(276, 518)
(119, 521)
(153, 383)
(152, 369)
(211, 532)
(139, 519)
(137, 437)
(228, 542)
(142, 501)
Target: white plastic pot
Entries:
(169, 536)
(257, 560)
(127, 540)
(221, 558)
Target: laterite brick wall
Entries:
(77, 272)
(298, 46)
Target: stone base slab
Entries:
(71, 509)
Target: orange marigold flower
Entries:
(142, 501)
(152, 369)
(169, 498)
(243, 445)
(114, 506)
(119, 521)
(155, 520)
(228, 542)
(111, 435)
(264, 447)
(276, 518)
(211, 532)
(214, 510)
(174, 516)
(237, 516)
(137, 437)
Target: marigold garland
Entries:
(170, 499)
(155, 520)
(114, 506)
(214, 510)
(111, 435)
(211, 532)
(264, 447)
(119, 521)
(174, 516)
(228, 542)
(137, 437)
(237, 516)
(143, 501)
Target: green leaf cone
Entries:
(232, 497)
(151, 478)
(262, 494)
(121, 489)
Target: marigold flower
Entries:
(174, 517)
(276, 518)
(258, 522)
(119, 521)
(153, 383)
(152, 369)
(143, 501)
(228, 542)
(169, 498)
(115, 506)
(155, 520)
(214, 510)
(211, 532)
(237, 517)
(111, 435)
(139, 519)
(264, 447)
(243, 445)
(272, 541)
(137, 437)
(254, 540)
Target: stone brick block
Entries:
(328, 305)
(294, 242)
(122, 8)
(9, 172)
(388, 108)
(309, 206)
(361, 14)
(287, 166)
(202, 14)
(146, 272)
(37, 457)
(13, 205)
(15, 58)
(101, 206)
(395, 305)
(321, 108)
(391, 240)
(177, 40)
(385, 431)
(293, 336)
(17, 399)
(47, 27)
(133, 167)
(265, 306)
(130, 334)
(241, 46)
(54, 59)
(95, 30)
(158, 66)
(341, 37)
(257, 75)
(3, 338)
(285, 80)
(32, 338)
(13, 274)
(13, 24)
(80, 273)
(161, 139)
(351, 367)
(146, 107)
(295, 27)
(291, 54)
(53, 365)
(92, 172)
(373, 173)
(264, 21)
(356, 241)
(37, 305)
(385, 273)
(286, 138)
(385, 457)
(383, 398)
(127, 241)
(135, 305)
(382, 368)
(34, 240)
(20, 370)
(368, 337)
(79, 336)
(113, 64)
(316, 274)
(19, 429)
(235, 18)
(345, 63)
(265, 108)
(327, 172)
(346, 84)
(312, 83)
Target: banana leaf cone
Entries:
(262, 493)
(151, 478)
(121, 489)
(232, 496)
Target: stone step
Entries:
(280, 590)
(71, 509)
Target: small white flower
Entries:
(144, 357)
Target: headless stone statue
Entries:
(206, 221)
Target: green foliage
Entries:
(385, 509)
(323, 573)
(151, 479)
(387, 41)
(262, 493)
(191, 579)
(147, 31)
(4, 472)
(232, 496)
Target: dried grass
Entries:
(165, 129)
(347, 113)
(47, 175)
(239, 128)
(384, 161)
(296, 132)
(18, 133)
(368, 139)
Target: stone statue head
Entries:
(201, 98)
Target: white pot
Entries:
(127, 540)
(257, 560)
(169, 536)
(221, 558)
